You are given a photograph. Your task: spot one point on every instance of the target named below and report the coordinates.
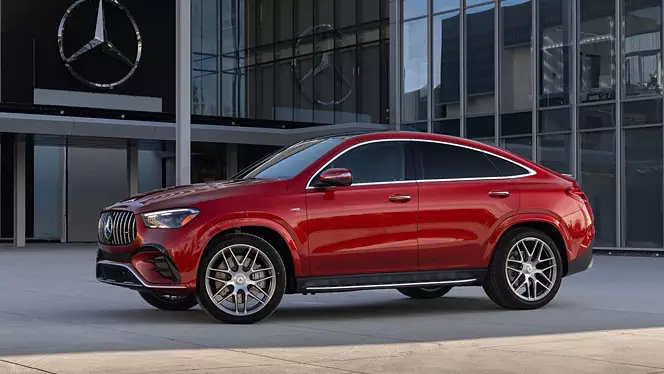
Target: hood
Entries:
(187, 195)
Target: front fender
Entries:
(510, 222)
(237, 223)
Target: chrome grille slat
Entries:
(123, 227)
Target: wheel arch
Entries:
(546, 224)
(269, 231)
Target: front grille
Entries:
(116, 228)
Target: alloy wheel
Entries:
(240, 280)
(531, 269)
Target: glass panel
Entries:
(369, 81)
(376, 162)
(265, 21)
(205, 58)
(476, 2)
(516, 23)
(345, 85)
(415, 88)
(555, 70)
(414, 8)
(480, 60)
(265, 91)
(516, 124)
(642, 47)
(448, 127)
(595, 117)
(283, 99)
(369, 10)
(642, 113)
(480, 127)
(446, 63)
(440, 161)
(555, 120)
(519, 146)
(555, 152)
(47, 191)
(443, 5)
(283, 19)
(419, 127)
(597, 178)
(597, 62)
(345, 13)
(642, 191)
(325, 12)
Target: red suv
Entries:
(419, 213)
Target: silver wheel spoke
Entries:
(216, 279)
(249, 262)
(531, 252)
(255, 298)
(264, 279)
(220, 271)
(513, 269)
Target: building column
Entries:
(132, 167)
(19, 191)
(183, 93)
(231, 160)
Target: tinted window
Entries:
(507, 168)
(375, 162)
(442, 161)
(290, 161)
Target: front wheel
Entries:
(169, 302)
(525, 272)
(424, 292)
(241, 279)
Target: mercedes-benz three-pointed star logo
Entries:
(108, 227)
(100, 40)
(326, 63)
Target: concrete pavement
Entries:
(56, 318)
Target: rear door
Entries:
(463, 197)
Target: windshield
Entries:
(290, 161)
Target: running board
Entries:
(343, 283)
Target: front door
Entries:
(370, 226)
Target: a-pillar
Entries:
(183, 93)
(19, 190)
(132, 167)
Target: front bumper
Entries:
(141, 271)
(581, 263)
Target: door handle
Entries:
(399, 198)
(499, 194)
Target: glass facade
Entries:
(575, 85)
(306, 61)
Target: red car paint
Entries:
(360, 229)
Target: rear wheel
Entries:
(425, 292)
(525, 271)
(241, 279)
(169, 302)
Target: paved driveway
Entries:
(55, 318)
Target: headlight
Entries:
(168, 219)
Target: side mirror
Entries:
(336, 177)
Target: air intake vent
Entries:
(116, 228)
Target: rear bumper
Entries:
(582, 263)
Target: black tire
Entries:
(424, 292)
(169, 302)
(210, 306)
(497, 284)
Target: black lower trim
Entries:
(581, 263)
(342, 283)
(169, 270)
(117, 275)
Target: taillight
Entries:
(577, 193)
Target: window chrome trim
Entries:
(531, 172)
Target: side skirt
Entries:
(344, 283)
